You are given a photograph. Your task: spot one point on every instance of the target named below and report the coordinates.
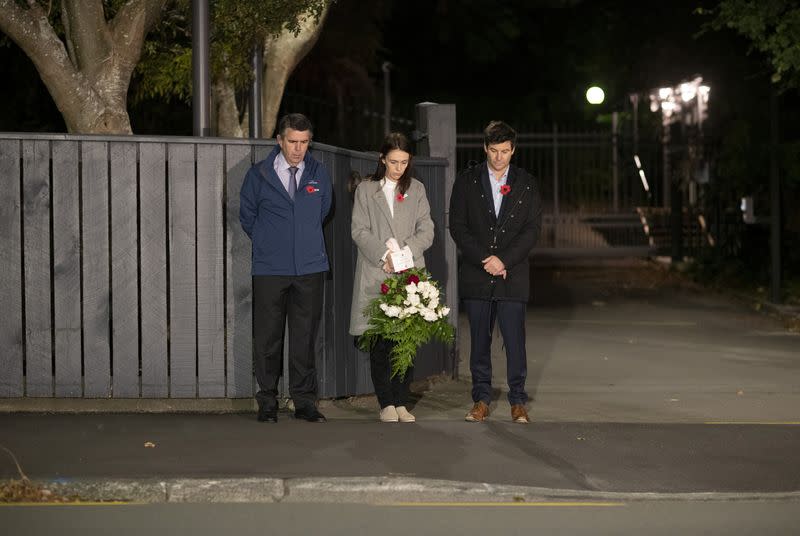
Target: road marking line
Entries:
(504, 504)
(72, 503)
(760, 423)
(676, 324)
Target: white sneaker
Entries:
(404, 415)
(389, 414)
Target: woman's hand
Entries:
(387, 265)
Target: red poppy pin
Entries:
(505, 189)
(310, 189)
(401, 197)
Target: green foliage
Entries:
(394, 317)
(772, 27)
(235, 26)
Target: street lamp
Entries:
(686, 103)
(595, 95)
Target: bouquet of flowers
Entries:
(408, 312)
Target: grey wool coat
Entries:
(372, 225)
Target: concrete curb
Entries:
(362, 490)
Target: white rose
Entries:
(430, 316)
(411, 289)
(413, 299)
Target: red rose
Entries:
(384, 288)
(400, 197)
(505, 189)
(310, 189)
(412, 279)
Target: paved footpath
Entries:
(642, 388)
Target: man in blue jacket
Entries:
(283, 202)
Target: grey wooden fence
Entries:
(124, 272)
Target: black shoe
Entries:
(268, 415)
(310, 414)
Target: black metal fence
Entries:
(124, 271)
(590, 188)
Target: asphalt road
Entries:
(590, 518)
(625, 457)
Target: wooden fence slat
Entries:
(182, 271)
(11, 356)
(96, 291)
(153, 273)
(67, 269)
(36, 229)
(124, 267)
(239, 297)
(360, 360)
(210, 281)
(331, 366)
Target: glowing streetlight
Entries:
(595, 95)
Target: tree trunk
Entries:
(281, 56)
(225, 112)
(88, 76)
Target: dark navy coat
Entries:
(286, 235)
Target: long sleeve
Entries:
(422, 238)
(327, 192)
(371, 246)
(248, 206)
(521, 245)
(471, 250)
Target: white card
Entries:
(402, 260)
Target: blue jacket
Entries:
(286, 235)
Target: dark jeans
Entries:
(511, 317)
(390, 391)
(274, 299)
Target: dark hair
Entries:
(295, 122)
(499, 132)
(395, 142)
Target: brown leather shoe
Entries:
(519, 414)
(478, 413)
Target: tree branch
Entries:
(31, 31)
(89, 35)
(130, 27)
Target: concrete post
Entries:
(437, 123)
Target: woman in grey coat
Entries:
(390, 204)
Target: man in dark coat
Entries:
(495, 220)
(283, 203)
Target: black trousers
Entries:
(511, 317)
(275, 298)
(390, 391)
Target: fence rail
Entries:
(578, 172)
(124, 271)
